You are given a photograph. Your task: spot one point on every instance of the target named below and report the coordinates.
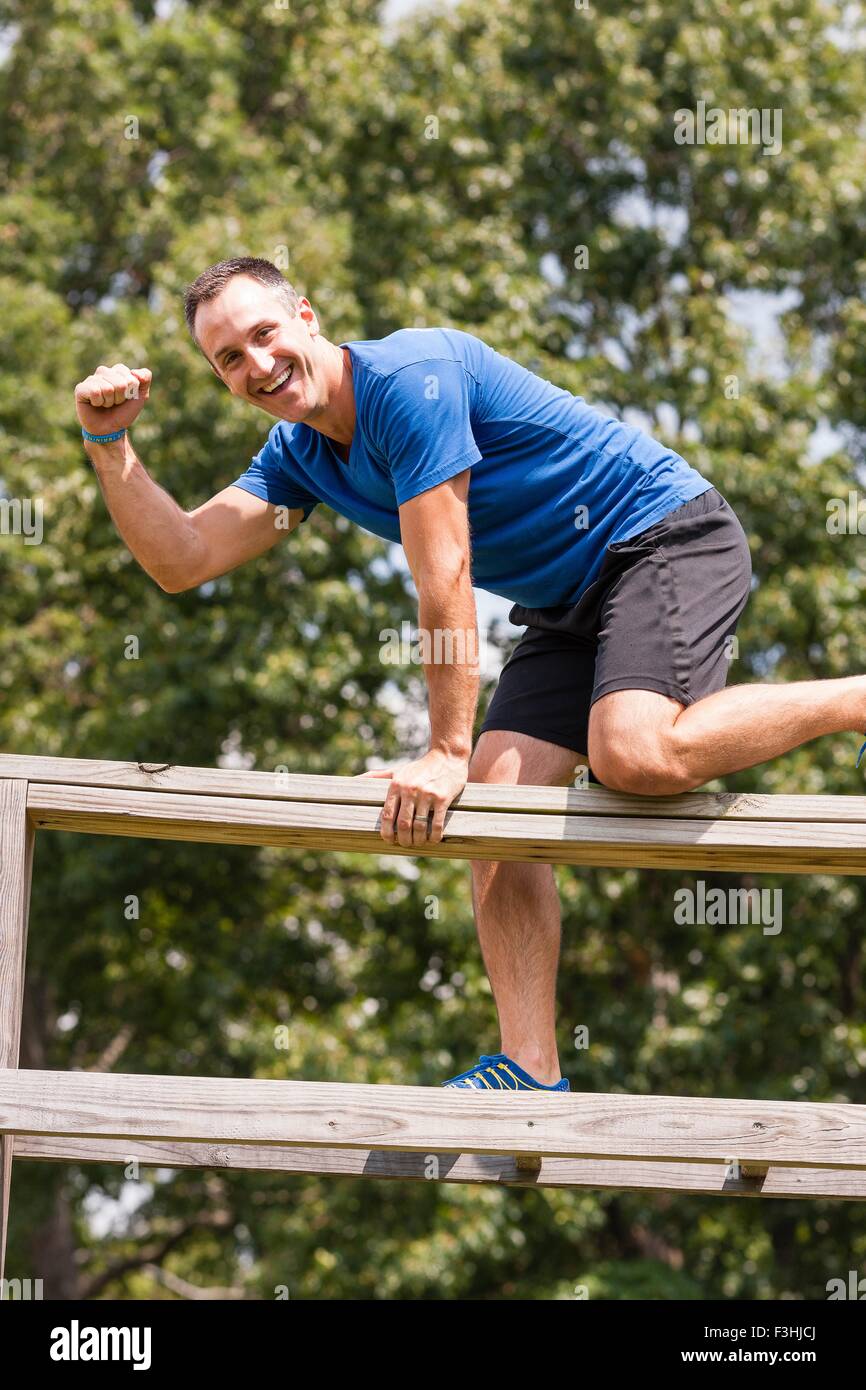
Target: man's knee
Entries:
(642, 767)
(634, 746)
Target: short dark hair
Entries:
(213, 281)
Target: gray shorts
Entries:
(657, 617)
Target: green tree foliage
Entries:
(512, 170)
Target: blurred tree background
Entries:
(511, 170)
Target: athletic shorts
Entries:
(658, 617)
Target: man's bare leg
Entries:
(517, 911)
(640, 741)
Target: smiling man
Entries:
(627, 567)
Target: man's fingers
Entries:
(90, 390)
(121, 384)
(389, 810)
(144, 376)
(407, 813)
(111, 385)
(111, 380)
(406, 820)
(437, 829)
(421, 817)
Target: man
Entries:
(626, 566)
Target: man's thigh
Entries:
(506, 756)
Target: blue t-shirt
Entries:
(553, 481)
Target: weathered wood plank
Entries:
(16, 868)
(477, 796)
(431, 1120)
(759, 846)
(712, 1179)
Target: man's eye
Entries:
(230, 359)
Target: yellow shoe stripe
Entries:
(491, 1071)
(502, 1067)
(517, 1082)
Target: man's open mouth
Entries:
(280, 384)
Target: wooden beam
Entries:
(712, 1179)
(16, 871)
(615, 842)
(476, 796)
(431, 1120)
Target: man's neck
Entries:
(341, 431)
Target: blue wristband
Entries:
(103, 438)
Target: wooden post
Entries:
(16, 871)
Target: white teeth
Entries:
(279, 381)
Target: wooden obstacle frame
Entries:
(753, 1148)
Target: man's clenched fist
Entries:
(112, 398)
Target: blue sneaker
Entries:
(499, 1073)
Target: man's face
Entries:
(251, 343)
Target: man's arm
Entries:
(178, 549)
(434, 527)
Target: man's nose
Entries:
(261, 363)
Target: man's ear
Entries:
(309, 318)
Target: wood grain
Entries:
(476, 796)
(712, 1179)
(425, 1119)
(616, 841)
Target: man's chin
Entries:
(278, 409)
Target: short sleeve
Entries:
(420, 421)
(268, 478)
